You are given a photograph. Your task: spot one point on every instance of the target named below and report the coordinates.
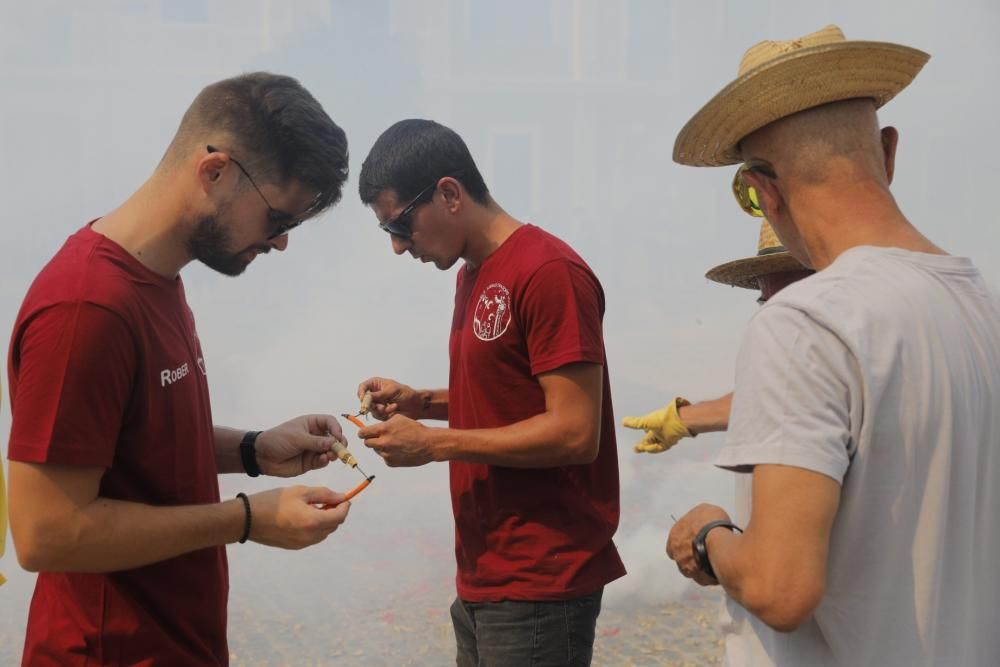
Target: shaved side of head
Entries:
(810, 147)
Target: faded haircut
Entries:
(274, 126)
(411, 155)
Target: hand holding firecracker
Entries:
(400, 441)
(340, 449)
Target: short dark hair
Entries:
(411, 154)
(273, 123)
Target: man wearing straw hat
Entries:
(772, 269)
(864, 413)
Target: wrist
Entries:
(428, 404)
(247, 525)
(248, 453)
(700, 544)
(420, 404)
(683, 407)
(440, 444)
(234, 515)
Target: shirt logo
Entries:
(492, 316)
(168, 376)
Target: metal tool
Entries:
(366, 405)
(340, 449)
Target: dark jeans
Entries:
(511, 633)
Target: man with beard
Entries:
(114, 495)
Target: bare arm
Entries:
(433, 404)
(567, 432)
(227, 449)
(707, 416)
(286, 450)
(60, 524)
(390, 397)
(777, 567)
(677, 420)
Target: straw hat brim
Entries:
(744, 272)
(795, 81)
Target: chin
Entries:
(229, 266)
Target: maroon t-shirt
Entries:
(106, 370)
(529, 534)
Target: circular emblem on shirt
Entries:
(492, 316)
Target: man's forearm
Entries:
(762, 580)
(110, 535)
(707, 416)
(541, 441)
(227, 449)
(728, 554)
(433, 405)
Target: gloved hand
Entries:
(663, 427)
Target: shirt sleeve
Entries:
(75, 367)
(792, 403)
(561, 310)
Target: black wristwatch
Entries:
(701, 551)
(248, 453)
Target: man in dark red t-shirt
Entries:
(114, 457)
(531, 440)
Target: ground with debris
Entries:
(677, 634)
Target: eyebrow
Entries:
(391, 217)
(280, 216)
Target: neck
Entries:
(490, 226)
(151, 226)
(832, 220)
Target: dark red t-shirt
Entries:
(529, 534)
(106, 370)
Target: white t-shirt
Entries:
(882, 372)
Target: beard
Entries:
(209, 243)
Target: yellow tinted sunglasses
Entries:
(746, 195)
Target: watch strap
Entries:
(248, 453)
(701, 551)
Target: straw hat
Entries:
(771, 258)
(778, 79)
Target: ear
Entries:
(771, 201)
(210, 169)
(890, 139)
(453, 192)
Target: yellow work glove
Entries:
(663, 427)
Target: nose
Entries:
(279, 243)
(399, 244)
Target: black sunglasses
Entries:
(400, 225)
(285, 222)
